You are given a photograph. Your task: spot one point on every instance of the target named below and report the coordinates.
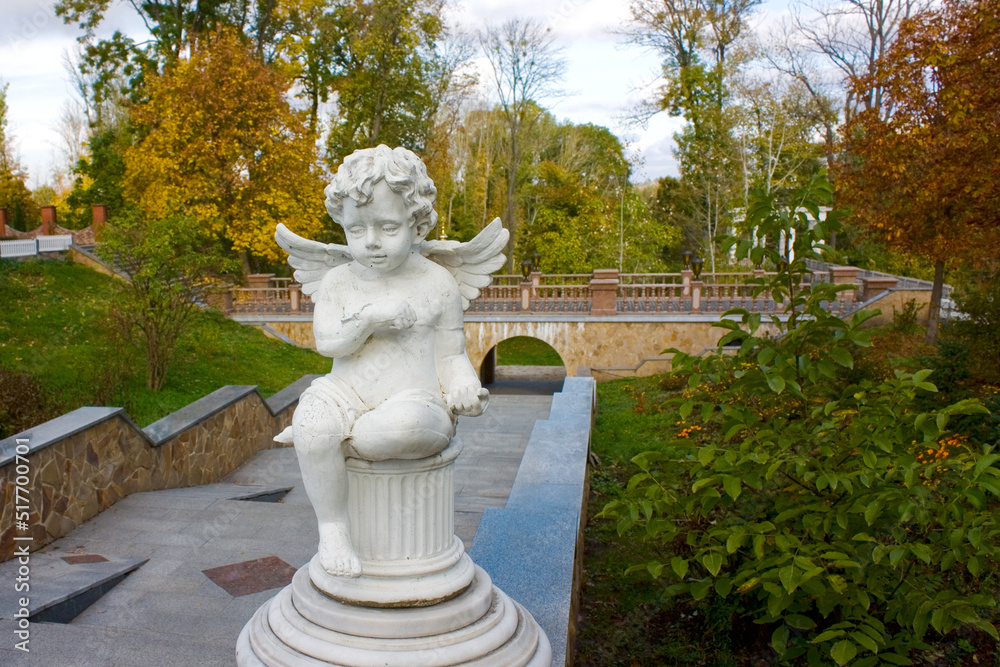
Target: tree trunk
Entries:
(245, 263)
(934, 315)
(515, 156)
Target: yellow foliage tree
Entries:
(219, 142)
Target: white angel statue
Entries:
(388, 309)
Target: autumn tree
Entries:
(525, 65)
(921, 169)
(15, 196)
(219, 142)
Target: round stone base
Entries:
(427, 582)
(481, 626)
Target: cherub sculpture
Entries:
(388, 309)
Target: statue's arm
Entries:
(459, 382)
(340, 330)
(337, 333)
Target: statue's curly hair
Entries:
(402, 171)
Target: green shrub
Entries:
(841, 517)
(978, 299)
(23, 402)
(906, 320)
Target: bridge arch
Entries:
(494, 358)
(612, 346)
(482, 337)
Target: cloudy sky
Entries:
(604, 77)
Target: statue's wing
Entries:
(310, 259)
(471, 263)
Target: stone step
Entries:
(59, 589)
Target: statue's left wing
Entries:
(472, 263)
(310, 259)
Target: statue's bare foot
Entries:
(336, 554)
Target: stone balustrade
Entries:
(605, 292)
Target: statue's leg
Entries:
(410, 425)
(319, 434)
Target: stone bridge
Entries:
(603, 324)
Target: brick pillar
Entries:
(696, 296)
(48, 220)
(845, 275)
(3, 221)
(100, 215)
(294, 294)
(525, 296)
(877, 284)
(686, 276)
(604, 292)
(260, 280)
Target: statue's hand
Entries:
(470, 400)
(392, 314)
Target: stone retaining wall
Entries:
(81, 463)
(891, 302)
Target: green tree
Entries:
(580, 211)
(172, 264)
(671, 205)
(696, 40)
(388, 67)
(778, 132)
(101, 172)
(179, 25)
(525, 66)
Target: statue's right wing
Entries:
(310, 259)
(472, 263)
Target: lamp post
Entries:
(526, 269)
(686, 256)
(696, 265)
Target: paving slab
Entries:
(168, 611)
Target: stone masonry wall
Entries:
(82, 463)
(894, 302)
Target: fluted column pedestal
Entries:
(420, 600)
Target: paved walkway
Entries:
(169, 611)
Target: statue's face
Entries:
(378, 233)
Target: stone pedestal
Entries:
(420, 600)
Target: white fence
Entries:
(28, 247)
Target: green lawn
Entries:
(624, 621)
(526, 351)
(55, 326)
